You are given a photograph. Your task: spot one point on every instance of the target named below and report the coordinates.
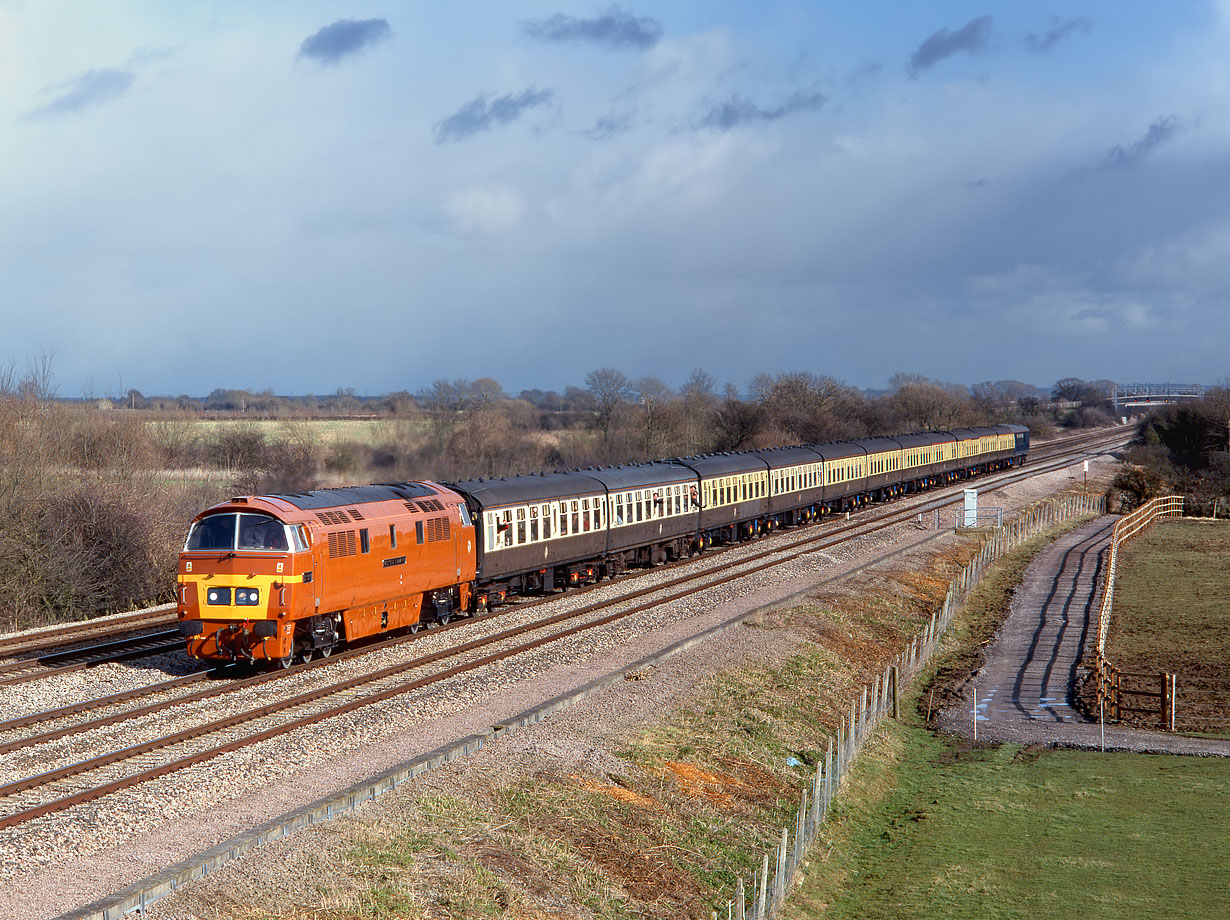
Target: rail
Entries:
(779, 864)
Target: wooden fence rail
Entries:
(779, 865)
(1109, 679)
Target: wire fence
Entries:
(763, 898)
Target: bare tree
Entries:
(698, 408)
(654, 399)
(925, 404)
(737, 422)
(611, 390)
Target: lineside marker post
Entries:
(975, 713)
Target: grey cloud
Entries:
(1058, 31)
(737, 110)
(616, 28)
(344, 38)
(481, 115)
(973, 36)
(1161, 131)
(607, 127)
(88, 89)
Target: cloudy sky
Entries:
(318, 195)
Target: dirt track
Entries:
(1027, 686)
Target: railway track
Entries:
(41, 777)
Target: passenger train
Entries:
(275, 578)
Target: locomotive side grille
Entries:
(437, 529)
(332, 517)
(341, 543)
(431, 504)
(354, 513)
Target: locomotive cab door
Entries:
(312, 576)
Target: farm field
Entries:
(1170, 615)
(930, 830)
(325, 432)
(1170, 610)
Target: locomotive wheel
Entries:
(446, 619)
(415, 627)
(285, 662)
(305, 654)
(326, 650)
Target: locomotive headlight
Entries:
(247, 597)
(218, 596)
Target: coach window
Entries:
(585, 514)
(619, 510)
(597, 514)
(520, 526)
(576, 517)
(533, 523)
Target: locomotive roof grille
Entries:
(353, 495)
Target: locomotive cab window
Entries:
(238, 532)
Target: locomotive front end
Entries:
(244, 579)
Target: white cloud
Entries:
(485, 211)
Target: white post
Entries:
(975, 713)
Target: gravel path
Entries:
(1027, 687)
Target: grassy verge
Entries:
(927, 829)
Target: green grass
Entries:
(929, 831)
(1170, 610)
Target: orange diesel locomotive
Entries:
(288, 576)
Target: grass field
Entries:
(1170, 615)
(928, 830)
(326, 432)
(1170, 611)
